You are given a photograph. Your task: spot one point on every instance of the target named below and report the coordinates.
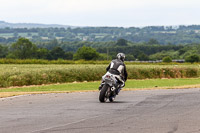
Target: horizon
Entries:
(175, 26)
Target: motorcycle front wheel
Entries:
(103, 93)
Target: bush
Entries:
(129, 57)
(192, 58)
(86, 53)
(167, 59)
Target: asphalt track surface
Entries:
(146, 111)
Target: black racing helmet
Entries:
(121, 56)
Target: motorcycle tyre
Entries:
(102, 95)
(111, 98)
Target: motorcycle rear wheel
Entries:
(103, 93)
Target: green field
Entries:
(6, 35)
(86, 86)
(93, 86)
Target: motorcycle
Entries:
(109, 88)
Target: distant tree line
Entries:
(163, 35)
(23, 48)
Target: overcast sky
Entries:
(125, 13)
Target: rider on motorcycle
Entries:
(118, 69)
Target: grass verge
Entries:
(93, 86)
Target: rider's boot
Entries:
(118, 90)
(101, 85)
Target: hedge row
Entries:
(61, 61)
(40, 61)
(88, 73)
